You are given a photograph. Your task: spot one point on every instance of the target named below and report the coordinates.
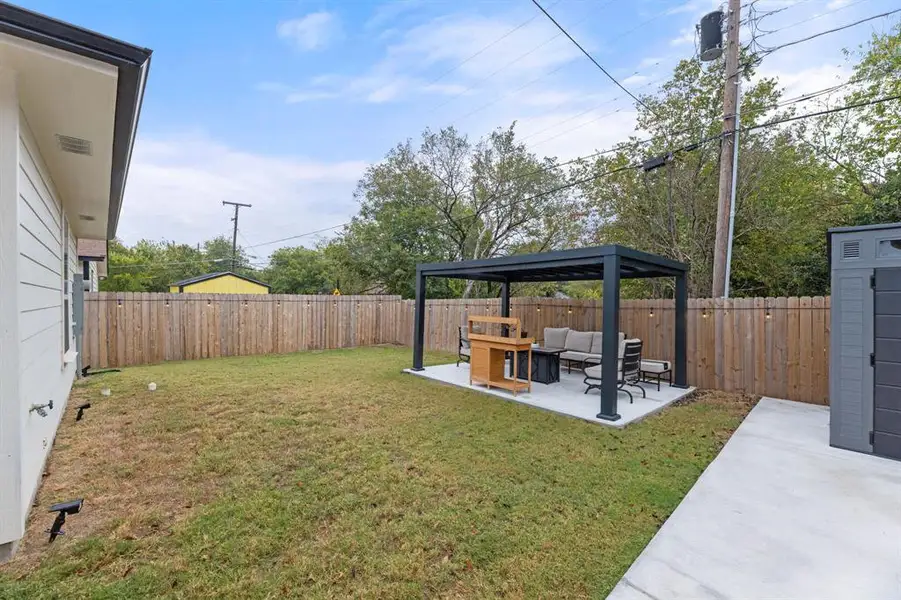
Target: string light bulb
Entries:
(651, 314)
(704, 314)
(768, 315)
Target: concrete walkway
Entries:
(779, 514)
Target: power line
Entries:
(834, 30)
(694, 145)
(540, 77)
(590, 57)
(684, 148)
(294, 237)
(767, 32)
(198, 262)
(489, 45)
(584, 112)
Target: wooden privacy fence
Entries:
(123, 329)
(768, 346)
(775, 347)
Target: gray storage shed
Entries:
(865, 344)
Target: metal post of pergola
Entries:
(608, 263)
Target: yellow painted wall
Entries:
(226, 284)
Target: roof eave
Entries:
(132, 62)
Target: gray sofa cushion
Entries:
(555, 337)
(595, 372)
(597, 342)
(578, 341)
(655, 366)
(578, 356)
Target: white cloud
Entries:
(568, 135)
(312, 32)
(836, 4)
(686, 36)
(650, 61)
(390, 12)
(453, 47)
(295, 97)
(176, 187)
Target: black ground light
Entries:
(62, 509)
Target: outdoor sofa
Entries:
(582, 348)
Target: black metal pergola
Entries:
(608, 263)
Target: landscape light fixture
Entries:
(80, 415)
(62, 509)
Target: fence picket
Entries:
(767, 346)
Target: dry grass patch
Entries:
(333, 475)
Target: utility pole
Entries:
(728, 148)
(237, 206)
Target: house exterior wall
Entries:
(37, 261)
(11, 523)
(47, 266)
(226, 284)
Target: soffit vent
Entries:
(74, 145)
(850, 249)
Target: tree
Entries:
(151, 266)
(785, 197)
(299, 271)
(450, 199)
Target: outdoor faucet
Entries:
(39, 408)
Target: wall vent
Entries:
(87, 218)
(74, 145)
(851, 249)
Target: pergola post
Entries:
(419, 321)
(681, 374)
(610, 348)
(505, 298)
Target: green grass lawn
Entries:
(333, 475)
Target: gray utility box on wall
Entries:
(865, 339)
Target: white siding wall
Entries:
(95, 278)
(43, 373)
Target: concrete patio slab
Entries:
(567, 397)
(779, 514)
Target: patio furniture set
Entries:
(541, 363)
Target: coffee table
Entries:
(545, 365)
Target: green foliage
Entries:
(299, 271)
(451, 199)
(153, 266)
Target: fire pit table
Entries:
(545, 365)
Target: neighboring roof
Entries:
(132, 63)
(91, 249)
(200, 278)
(560, 265)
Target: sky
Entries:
(283, 104)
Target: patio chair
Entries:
(628, 370)
(463, 348)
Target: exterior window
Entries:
(66, 286)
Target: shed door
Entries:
(887, 363)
